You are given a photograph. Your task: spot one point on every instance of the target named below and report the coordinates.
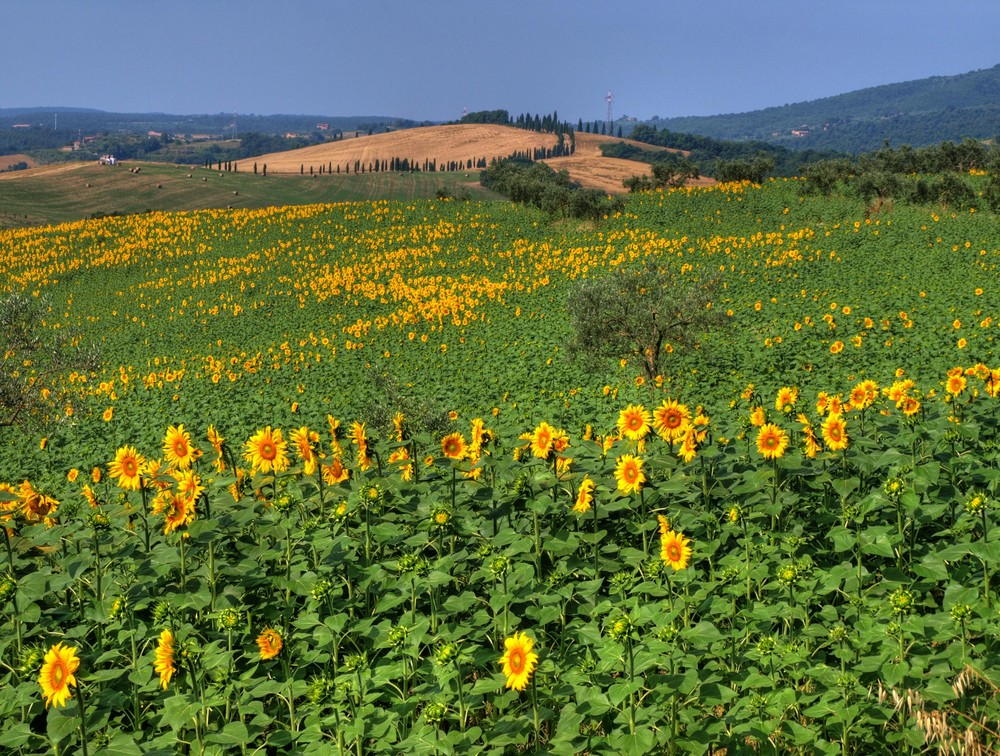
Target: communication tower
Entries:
(610, 99)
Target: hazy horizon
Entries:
(430, 62)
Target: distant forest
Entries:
(917, 113)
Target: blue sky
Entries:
(430, 59)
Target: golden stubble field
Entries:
(461, 142)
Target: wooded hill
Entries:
(918, 113)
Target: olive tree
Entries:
(32, 357)
(636, 312)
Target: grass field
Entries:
(66, 192)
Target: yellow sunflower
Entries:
(189, 485)
(835, 432)
(772, 441)
(177, 449)
(58, 674)
(267, 451)
(176, 508)
(674, 550)
(787, 396)
(669, 419)
(269, 643)
(634, 421)
(164, 665)
(127, 467)
(584, 496)
(335, 472)
(628, 473)
(305, 442)
(453, 446)
(956, 384)
(518, 660)
(541, 440)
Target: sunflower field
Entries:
(339, 488)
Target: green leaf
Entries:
(178, 711)
(234, 733)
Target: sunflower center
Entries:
(180, 448)
(674, 552)
(58, 674)
(267, 450)
(630, 474)
(517, 661)
(129, 467)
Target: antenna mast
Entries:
(610, 99)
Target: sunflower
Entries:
(835, 432)
(127, 467)
(634, 421)
(177, 510)
(267, 451)
(669, 419)
(453, 446)
(758, 416)
(61, 662)
(772, 441)
(956, 384)
(269, 643)
(399, 426)
(36, 506)
(305, 442)
(674, 550)
(108, 414)
(189, 485)
(217, 441)
(164, 665)
(812, 447)
(628, 473)
(910, 405)
(177, 449)
(993, 383)
(664, 524)
(585, 496)
(401, 457)
(541, 440)
(518, 660)
(787, 396)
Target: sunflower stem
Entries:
(461, 696)
(534, 712)
(10, 550)
(597, 547)
(642, 522)
(145, 514)
(83, 720)
(183, 563)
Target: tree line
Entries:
(536, 184)
(939, 173)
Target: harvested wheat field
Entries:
(463, 146)
(442, 144)
(594, 171)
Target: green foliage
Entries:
(744, 169)
(551, 191)
(33, 359)
(921, 112)
(639, 313)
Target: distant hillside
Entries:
(921, 112)
(461, 147)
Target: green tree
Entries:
(33, 359)
(635, 313)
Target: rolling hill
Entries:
(919, 112)
(465, 144)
